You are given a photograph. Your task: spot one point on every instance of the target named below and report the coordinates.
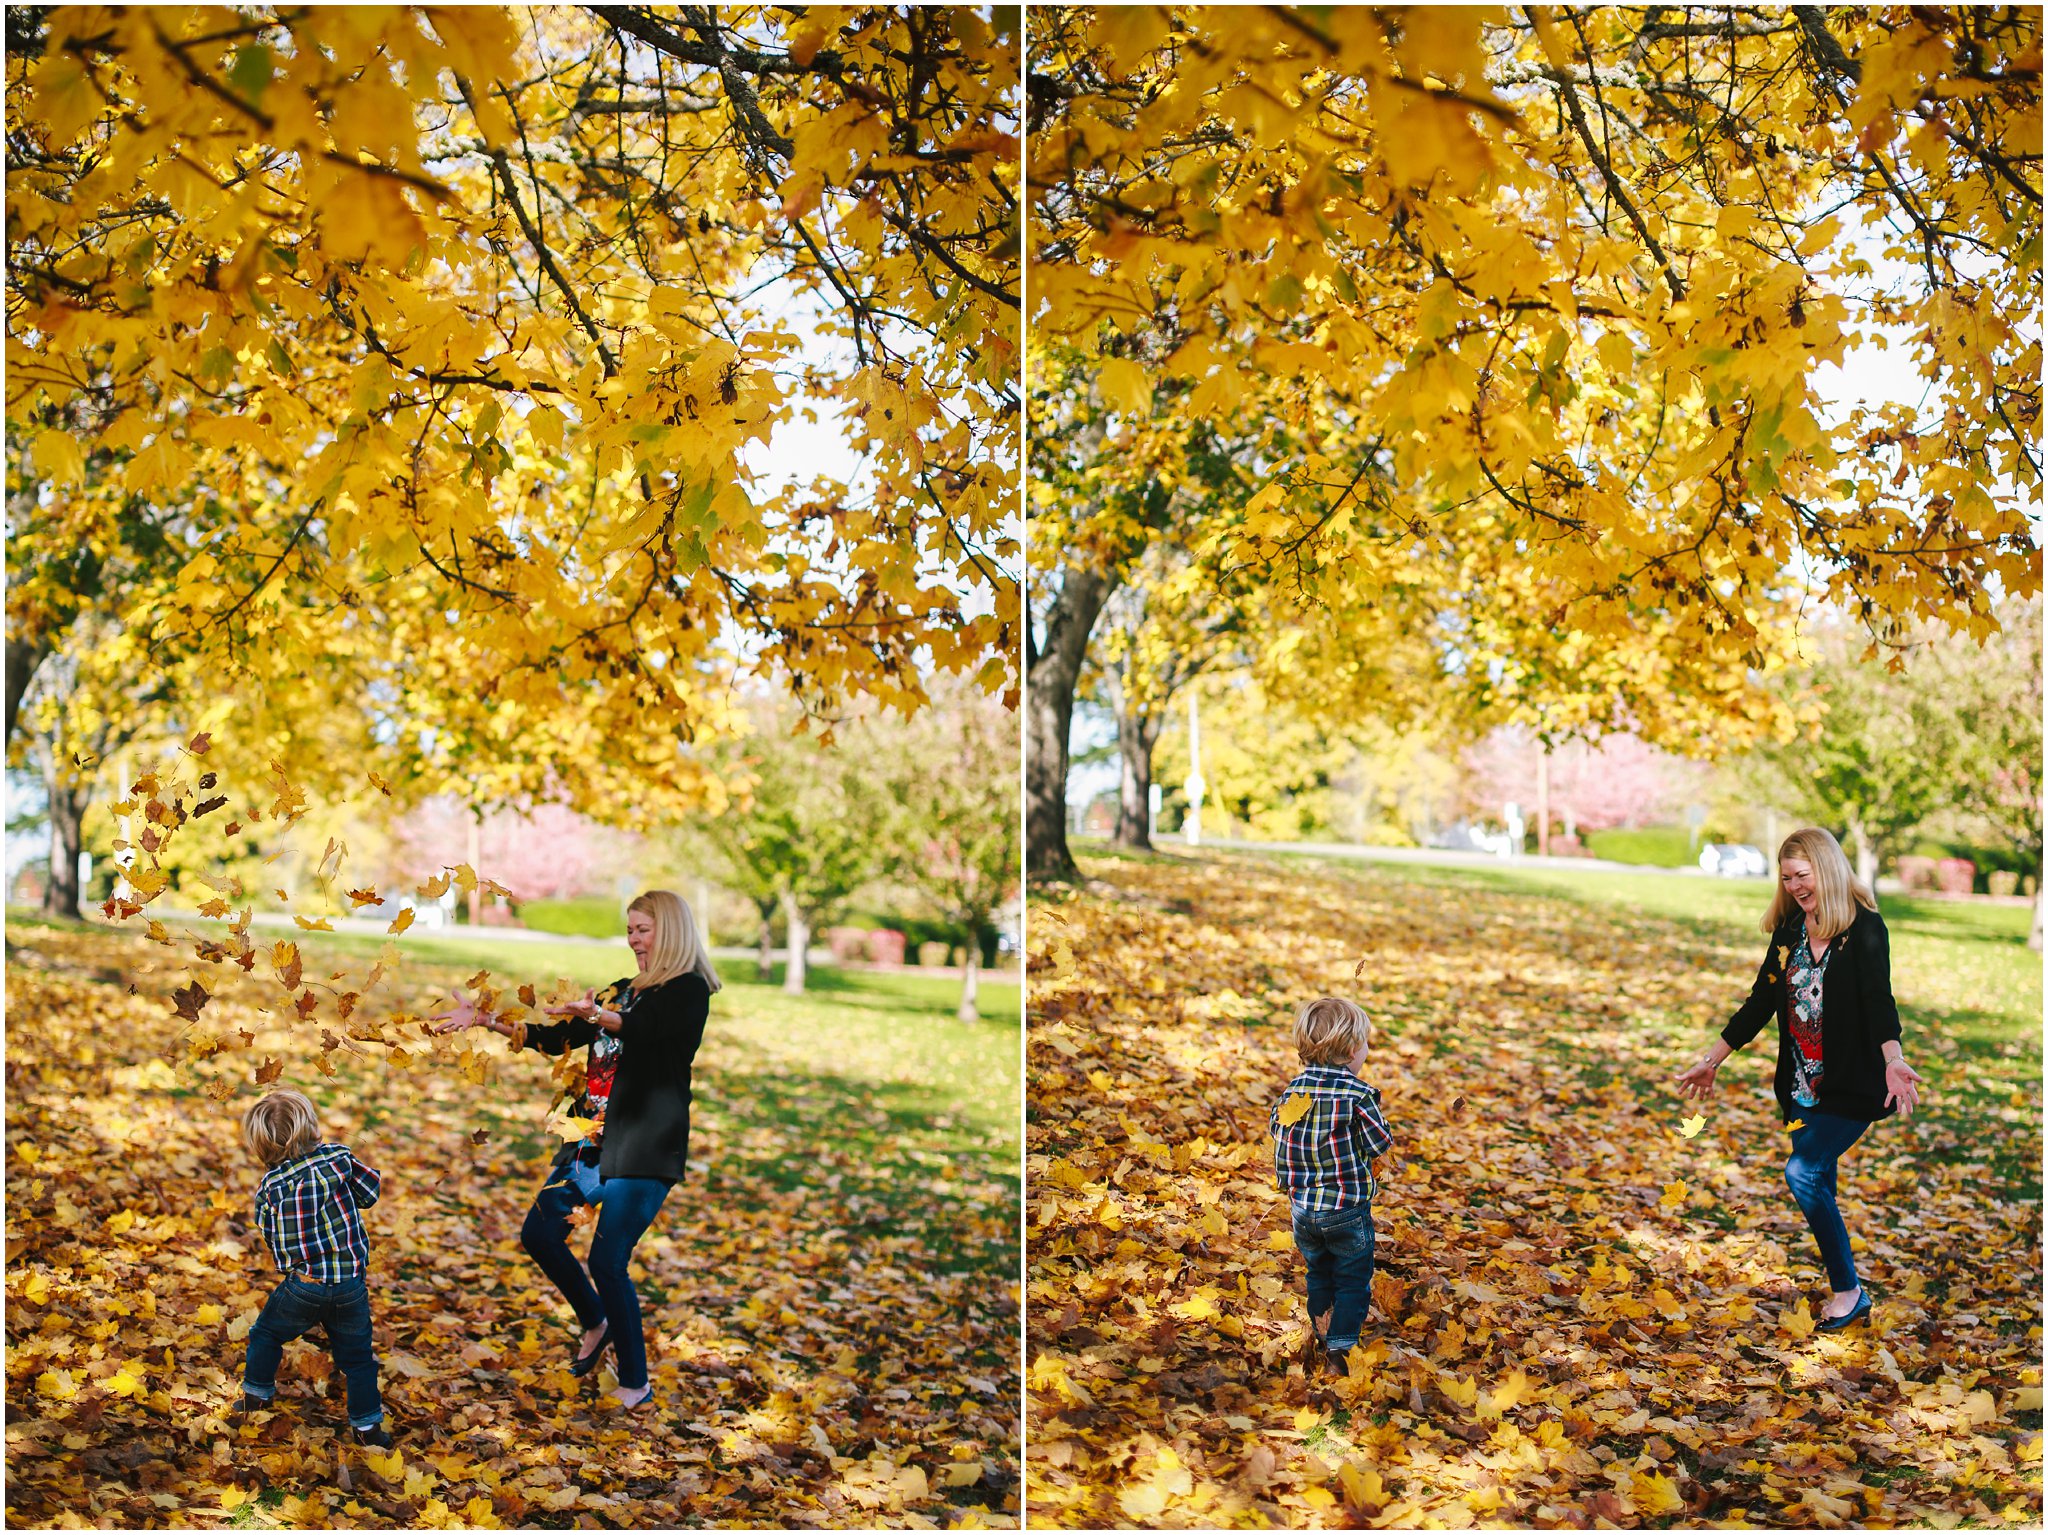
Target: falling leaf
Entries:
(1797, 1124)
(313, 924)
(402, 921)
(189, 999)
(269, 1071)
(1691, 1127)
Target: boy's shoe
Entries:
(378, 1438)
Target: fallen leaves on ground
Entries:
(832, 1343)
(1581, 1317)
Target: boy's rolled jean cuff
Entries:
(269, 1393)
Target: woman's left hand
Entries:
(1901, 1086)
(585, 1007)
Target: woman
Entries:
(642, 1035)
(1827, 976)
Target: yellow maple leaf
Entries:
(1797, 1124)
(1798, 1321)
(1655, 1494)
(57, 1383)
(232, 1498)
(313, 924)
(1124, 386)
(1296, 1106)
(1691, 1127)
(402, 921)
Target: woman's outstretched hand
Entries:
(584, 1007)
(1901, 1087)
(465, 1014)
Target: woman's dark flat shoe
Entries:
(1855, 1313)
(588, 1362)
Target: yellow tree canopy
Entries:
(444, 330)
(1537, 300)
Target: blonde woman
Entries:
(1827, 977)
(642, 1034)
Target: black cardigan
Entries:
(647, 1119)
(1857, 1016)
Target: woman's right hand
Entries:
(1697, 1081)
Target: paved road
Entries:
(1426, 855)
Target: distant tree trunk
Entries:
(764, 961)
(799, 948)
(1866, 853)
(1136, 737)
(970, 989)
(2034, 931)
(67, 815)
(1051, 674)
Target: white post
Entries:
(1194, 783)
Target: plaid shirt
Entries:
(1324, 1159)
(310, 1212)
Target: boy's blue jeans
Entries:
(1810, 1173)
(294, 1309)
(625, 1211)
(1337, 1246)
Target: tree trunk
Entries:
(67, 815)
(2034, 929)
(1136, 737)
(23, 657)
(764, 962)
(970, 989)
(799, 948)
(1051, 673)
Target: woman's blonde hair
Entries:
(1837, 890)
(280, 1126)
(678, 946)
(1329, 1031)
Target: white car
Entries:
(1734, 860)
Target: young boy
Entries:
(309, 1206)
(1327, 1128)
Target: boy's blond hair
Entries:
(1330, 1030)
(279, 1127)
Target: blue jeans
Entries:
(1337, 1245)
(625, 1211)
(294, 1309)
(1810, 1173)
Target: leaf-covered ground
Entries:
(830, 1301)
(1581, 1317)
